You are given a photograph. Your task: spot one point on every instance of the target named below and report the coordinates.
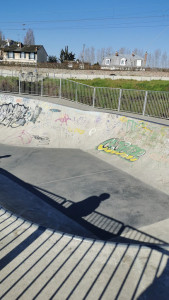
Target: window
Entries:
(22, 55)
(107, 61)
(123, 62)
(32, 55)
(11, 55)
(139, 63)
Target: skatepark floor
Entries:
(62, 189)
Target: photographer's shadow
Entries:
(86, 207)
(85, 213)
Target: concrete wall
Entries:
(135, 146)
(68, 74)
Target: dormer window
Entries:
(138, 62)
(123, 62)
(107, 61)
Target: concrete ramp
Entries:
(66, 171)
(140, 148)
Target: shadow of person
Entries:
(86, 206)
(78, 212)
(5, 156)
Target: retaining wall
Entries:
(135, 146)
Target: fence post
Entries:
(94, 94)
(60, 91)
(76, 93)
(19, 84)
(145, 103)
(119, 99)
(42, 87)
(31, 85)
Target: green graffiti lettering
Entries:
(122, 148)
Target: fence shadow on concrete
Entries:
(40, 263)
(85, 214)
(36, 262)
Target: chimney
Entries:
(145, 58)
(8, 42)
(19, 45)
(116, 54)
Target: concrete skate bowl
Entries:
(87, 173)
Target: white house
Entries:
(119, 61)
(18, 53)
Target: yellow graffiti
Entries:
(76, 130)
(144, 126)
(122, 154)
(123, 119)
(45, 105)
(133, 124)
(163, 131)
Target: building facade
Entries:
(120, 61)
(16, 52)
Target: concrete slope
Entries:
(38, 263)
(140, 148)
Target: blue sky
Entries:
(131, 24)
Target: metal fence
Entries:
(148, 103)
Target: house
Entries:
(121, 61)
(16, 52)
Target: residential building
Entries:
(121, 61)
(11, 51)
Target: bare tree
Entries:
(108, 51)
(155, 59)
(164, 60)
(139, 52)
(2, 37)
(148, 63)
(157, 55)
(102, 53)
(122, 50)
(29, 38)
(99, 60)
(87, 55)
(92, 55)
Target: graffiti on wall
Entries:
(76, 130)
(25, 137)
(63, 119)
(124, 149)
(35, 114)
(55, 110)
(132, 125)
(15, 115)
(42, 140)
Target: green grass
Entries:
(153, 85)
(9, 84)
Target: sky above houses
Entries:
(99, 24)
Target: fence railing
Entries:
(148, 103)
